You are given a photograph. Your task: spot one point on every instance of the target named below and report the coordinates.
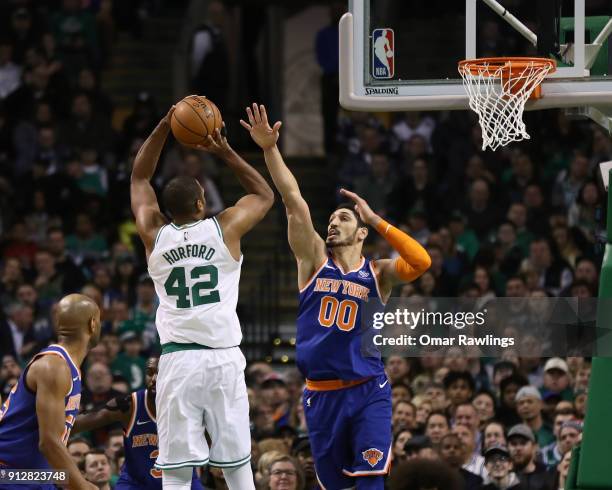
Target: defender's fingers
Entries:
(256, 113)
(250, 115)
(246, 125)
(264, 114)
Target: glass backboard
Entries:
(399, 55)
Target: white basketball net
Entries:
(499, 99)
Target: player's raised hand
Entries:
(261, 132)
(362, 208)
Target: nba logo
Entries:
(383, 57)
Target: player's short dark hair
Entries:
(454, 376)
(351, 207)
(180, 195)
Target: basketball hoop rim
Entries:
(510, 66)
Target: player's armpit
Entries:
(116, 410)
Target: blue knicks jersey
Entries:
(329, 323)
(18, 421)
(141, 449)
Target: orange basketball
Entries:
(194, 118)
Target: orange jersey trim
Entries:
(361, 262)
(78, 368)
(333, 384)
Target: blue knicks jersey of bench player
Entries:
(330, 323)
(18, 421)
(141, 449)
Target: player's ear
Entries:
(362, 233)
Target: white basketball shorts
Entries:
(198, 390)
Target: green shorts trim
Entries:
(172, 466)
(175, 347)
(230, 464)
(170, 347)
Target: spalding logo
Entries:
(372, 456)
(201, 104)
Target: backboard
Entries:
(398, 55)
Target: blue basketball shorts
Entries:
(350, 434)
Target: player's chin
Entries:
(333, 241)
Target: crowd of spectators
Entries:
(524, 221)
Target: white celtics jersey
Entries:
(196, 280)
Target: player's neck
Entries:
(186, 220)
(348, 258)
(76, 348)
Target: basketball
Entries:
(194, 118)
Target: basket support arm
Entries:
(521, 28)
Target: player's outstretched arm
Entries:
(238, 219)
(118, 409)
(50, 377)
(307, 245)
(149, 218)
(413, 260)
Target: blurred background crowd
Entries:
(524, 221)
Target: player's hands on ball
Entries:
(362, 208)
(167, 117)
(217, 143)
(261, 132)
